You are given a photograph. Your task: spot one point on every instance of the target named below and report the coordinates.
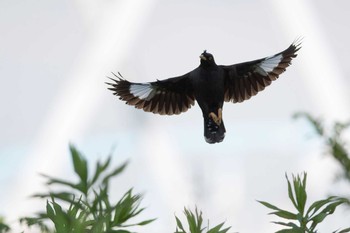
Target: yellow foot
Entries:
(216, 119)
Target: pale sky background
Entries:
(54, 59)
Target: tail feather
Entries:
(212, 132)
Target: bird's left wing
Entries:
(245, 80)
(164, 97)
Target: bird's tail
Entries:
(213, 133)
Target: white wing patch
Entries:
(268, 64)
(142, 91)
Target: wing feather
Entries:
(244, 80)
(164, 97)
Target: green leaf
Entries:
(80, 164)
(339, 127)
(285, 214)
(316, 123)
(52, 180)
(302, 195)
(49, 211)
(140, 223)
(292, 230)
(268, 205)
(64, 196)
(57, 207)
(300, 192)
(179, 224)
(290, 193)
(38, 221)
(194, 220)
(319, 204)
(332, 206)
(115, 172)
(343, 231)
(100, 168)
(289, 224)
(287, 231)
(225, 230)
(126, 208)
(217, 228)
(144, 222)
(279, 212)
(4, 228)
(329, 209)
(319, 218)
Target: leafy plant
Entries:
(304, 220)
(3, 226)
(84, 206)
(89, 208)
(195, 221)
(333, 139)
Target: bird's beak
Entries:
(202, 57)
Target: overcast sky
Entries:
(54, 59)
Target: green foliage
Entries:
(304, 220)
(84, 206)
(92, 211)
(195, 221)
(333, 139)
(3, 226)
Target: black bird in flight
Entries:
(209, 84)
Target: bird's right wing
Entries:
(164, 97)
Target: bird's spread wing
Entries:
(165, 97)
(245, 80)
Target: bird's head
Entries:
(206, 58)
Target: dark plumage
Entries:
(209, 84)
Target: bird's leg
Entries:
(216, 118)
(220, 115)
